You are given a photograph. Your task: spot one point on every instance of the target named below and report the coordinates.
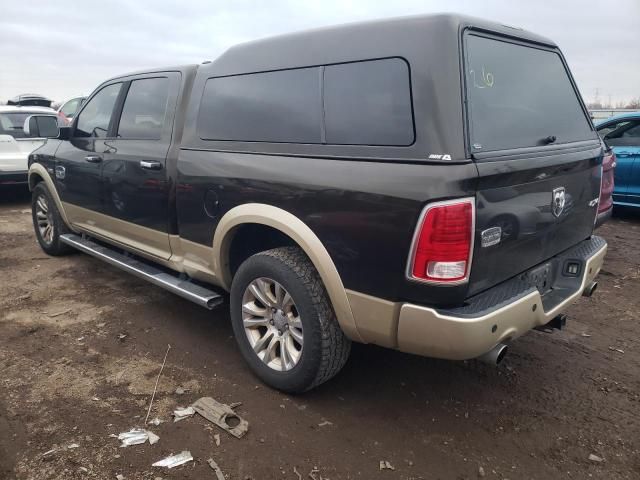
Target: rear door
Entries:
(537, 154)
(623, 136)
(134, 174)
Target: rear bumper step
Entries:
(471, 331)
(195, 293)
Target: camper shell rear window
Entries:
(519, 96)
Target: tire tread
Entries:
(336, 346)
(57, 248)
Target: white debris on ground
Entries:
(385, 465)
(216, 469)
(595, 458)
(174, 460)
(313, 474)
(182, 413)
(71, 446)
(218, 413)
(136, 436)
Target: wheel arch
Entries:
(301, 235)
(37, 174)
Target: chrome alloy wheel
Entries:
(272, 324)
(44, 219)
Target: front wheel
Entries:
(47, 222)
(284, 323)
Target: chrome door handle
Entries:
(624, 154)
(147, 165)
(93, 158)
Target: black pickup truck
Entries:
(428, 184)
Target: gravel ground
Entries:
(81, 344)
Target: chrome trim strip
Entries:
(416, 234)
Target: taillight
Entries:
(443, 243)
(606, 184)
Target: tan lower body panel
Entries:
(195, 260)
(376, 319)
(424, 331)
(141, 239)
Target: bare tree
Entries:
(634, 103)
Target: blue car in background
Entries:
(622, 134)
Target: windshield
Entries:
(520, 96)
(12, 123)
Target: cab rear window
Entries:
(519, 96)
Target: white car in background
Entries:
(15, 144)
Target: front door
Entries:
(134, 173)
(78, 166)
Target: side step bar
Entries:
(196, 293)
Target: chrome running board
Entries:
(195, 293)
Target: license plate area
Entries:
(540, 277)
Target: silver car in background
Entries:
(16, 144)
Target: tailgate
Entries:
(537, 154)
(540, 212)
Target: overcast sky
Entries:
(66, 48)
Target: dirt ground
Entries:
(81, 344)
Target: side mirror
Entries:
(41, 126)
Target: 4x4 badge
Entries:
(557, 201)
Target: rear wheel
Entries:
(47, 222)
(283, 321)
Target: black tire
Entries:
(52, 245)
(325, 348)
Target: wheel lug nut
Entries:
(271, 322)
(280, 332)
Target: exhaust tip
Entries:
(590, 289)
(495, 355)
(503, 349)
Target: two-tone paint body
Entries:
(352, 208)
